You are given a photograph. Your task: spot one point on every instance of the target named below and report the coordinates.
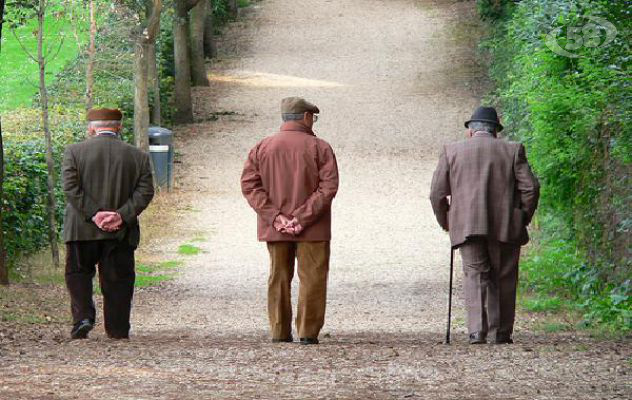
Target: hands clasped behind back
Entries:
(287, 225)
(108, 221)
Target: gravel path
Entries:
(394, 80)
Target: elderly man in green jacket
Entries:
(107, 184)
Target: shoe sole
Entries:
(82, 332)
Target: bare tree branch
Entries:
(28, 53)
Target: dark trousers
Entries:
(116, 277)
(490, 270)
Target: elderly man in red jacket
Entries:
(290, 180)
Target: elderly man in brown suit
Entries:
(290, 180)
(484, 193)
(107, 183)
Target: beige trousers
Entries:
(313, 269)
(490, 271)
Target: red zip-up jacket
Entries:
(296, 174)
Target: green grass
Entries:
(19, 74)
(553, 327)
(151, 274)
(542, 304)
(171, 264)
(22, 317)
(189, 250)
(150, 280)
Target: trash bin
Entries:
(162, 154)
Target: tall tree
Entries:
(210, 46)
(154, 83)
(4, 268)
(25, 11)
(146, 39)
(198, 67)
(50, 163)
(183, 103)
(91, 55)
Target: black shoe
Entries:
(81, 329)
(503, 338)
(307, 340)
(118, 337)
(286, 340)
(478, 338)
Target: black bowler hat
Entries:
(485, 114)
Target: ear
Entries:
(469, 133)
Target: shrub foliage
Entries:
(574, 116)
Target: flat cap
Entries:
(297, 105)
(104, 114)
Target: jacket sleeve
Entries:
(526, 183)
(320, 200)
(440, 190)
(142, 195)
(253, 191)
(75, 195)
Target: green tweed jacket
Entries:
(103, 173)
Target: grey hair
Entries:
(478, 126)
(105, 124)
(292, 117)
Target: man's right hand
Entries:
(288, 226)
(108, 221)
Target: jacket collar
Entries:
(109, 134)
(293, 126)
(482, 134)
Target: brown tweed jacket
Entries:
(105, 174)
(492, 191)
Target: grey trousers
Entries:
(490, 271)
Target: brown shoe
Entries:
(478, 338)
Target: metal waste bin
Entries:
(162, 154)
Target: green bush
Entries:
(25, 219)
(574, 117)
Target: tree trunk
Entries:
(141, 98)
(198, 67)
(4, 268)
(233, 8)
(50, 163)
(183, 105)
(210, 46)
(154, 85)
(146, 38)
(91, 55)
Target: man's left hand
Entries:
(108, 221)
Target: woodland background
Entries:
(143, 56)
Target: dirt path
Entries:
(394, 81)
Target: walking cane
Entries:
(447, 333)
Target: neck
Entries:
(482, 134)
(105, 132)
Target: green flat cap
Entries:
(297, 105)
